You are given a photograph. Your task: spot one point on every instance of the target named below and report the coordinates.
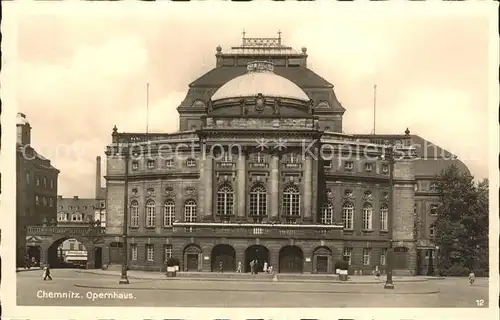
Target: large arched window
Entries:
(258, 201)
(348, 215)
(168, 213)
(134, 214)
(190, 210)
(150, 214)
(291, 201)
(327, 213)
(384, 210)
(367, 216)
(225, 200)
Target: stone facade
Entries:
(271, 178)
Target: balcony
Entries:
(256, 230)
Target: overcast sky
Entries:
(81, 74)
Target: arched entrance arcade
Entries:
(256, 252)
(291, 260)
(225, 254)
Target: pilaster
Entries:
(208, 184)
(241, 174)
(307, 189)
(274, 182)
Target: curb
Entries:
(252, 290)
(257, 280)
(26, 270)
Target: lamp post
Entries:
(390, 158)
(437, 261)
(126, 157)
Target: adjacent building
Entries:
(261, 170)
(36, 187)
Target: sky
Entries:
(79, 75)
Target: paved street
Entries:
(88, 289)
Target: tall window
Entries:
(259, 158)
(190, 211)
(366, 256)
(258, 201)
(167, 252)
(383, 256)
(348, 215)
(225, 200)
(168, 213)
(38, 181)
(133, 252)
(346, 255)
(134, 214)
(150, 213)
(432, 231)
(327, 214)
(367, 216)
(150, 253)
(45, 182)
(384, 210)
(291, 201)
(434, 209)
(28, 178)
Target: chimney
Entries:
(98, 177)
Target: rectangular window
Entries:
(169, 163)
(348, 165)
(293, 158)
(433, 187)
(133, 252)
(383, 256)
(432, 231)
(150, 253)
(38, 181)
(259, 158)
(151, 164)
(37, 200)
(167, 252)
(80, 247)
(191, 163)
(346, 255)
(366, 256)
(433, 209)
(135, 165)
(383, 219)
(51, 184)
(327, 164)
(368, 166)
(71, 246)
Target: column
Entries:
(208, 176)
(307, 190)
(241, 173)
(274, 192)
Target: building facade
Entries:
(36, 188)
(260, 169)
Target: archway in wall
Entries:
(225, 254)
(259, 253)
(116, 253)
(291, 260)
(400, 258)
(67, 253)
(33, 256)
(192, 258)
(322, 260)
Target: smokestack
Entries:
(98, 177)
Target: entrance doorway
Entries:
(192, 262)
(259, 253)
(34, 256)
(400, 258)
(225, 254)
(321, 264)
(291, 260)
(116, 253)
(98, 258)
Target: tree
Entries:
(461, 229)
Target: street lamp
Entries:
(437, 261)
(126, 156)
(390, 158)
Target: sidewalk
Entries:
(31, 269)
(212, 276)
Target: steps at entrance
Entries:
(281, 276)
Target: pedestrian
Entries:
(256, 266)
(377, 273)
(221, 266)
(46, 273)
(252, 266)
(270, 269)
(239, 267)
(265, 267)
(472, 277)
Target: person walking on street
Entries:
(221, 267)
(472, 277)
(265, 267)
(46, 273)
(239, 267)
(252, 267)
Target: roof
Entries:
(260, 78)
(32, 154)
(302, 77)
